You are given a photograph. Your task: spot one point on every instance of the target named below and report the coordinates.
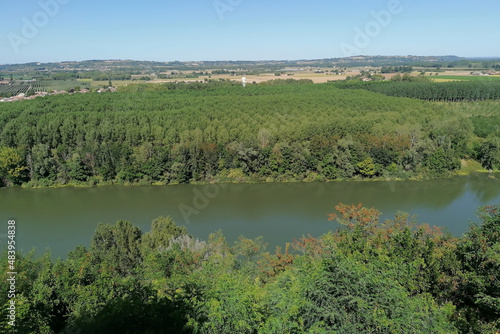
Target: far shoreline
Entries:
(493, 175)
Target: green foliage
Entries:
(12, 168)
(479, 289)
(369, 276)
(163, 230)
(489, 152)
(43, 163)
(117, 247)
(367, 167)
(36, 308)
(134, 308)
(396, 69)
(440, 162)
(409, 78)
(421, 88)
(180, 133)
(342, 295)
(485, 125)
(77, 170)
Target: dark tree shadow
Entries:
(140, 311)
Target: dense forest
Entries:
(368, 276)
(221, 131)
(431, 91)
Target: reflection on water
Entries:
(63, 218)
(486, 189)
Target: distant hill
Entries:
(116, 69)
(196, 65)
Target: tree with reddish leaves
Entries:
(355, 215)
(272, 265)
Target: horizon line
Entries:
(247, 60)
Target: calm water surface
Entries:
(60, 219)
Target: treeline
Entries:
(396, 69)
(94, 75)
(430, 91)
(221, 131)
(367, 277)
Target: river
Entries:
(59, 219)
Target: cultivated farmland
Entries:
(30, 87)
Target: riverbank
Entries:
(468, 167)
(61, 218)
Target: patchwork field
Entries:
(27, 87)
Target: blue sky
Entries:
(244, 29)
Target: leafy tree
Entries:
(479, 289)
(489, 152)
(12, 168)
(117, 247)
(41, 162)
(163, 231)
(440, 162)
(367, 167)
(77, 170)
(344, 295)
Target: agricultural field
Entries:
(30, 87)
(104, 83)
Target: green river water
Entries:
(60, 219)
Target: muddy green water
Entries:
(60, 219)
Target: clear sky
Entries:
(58, 30)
